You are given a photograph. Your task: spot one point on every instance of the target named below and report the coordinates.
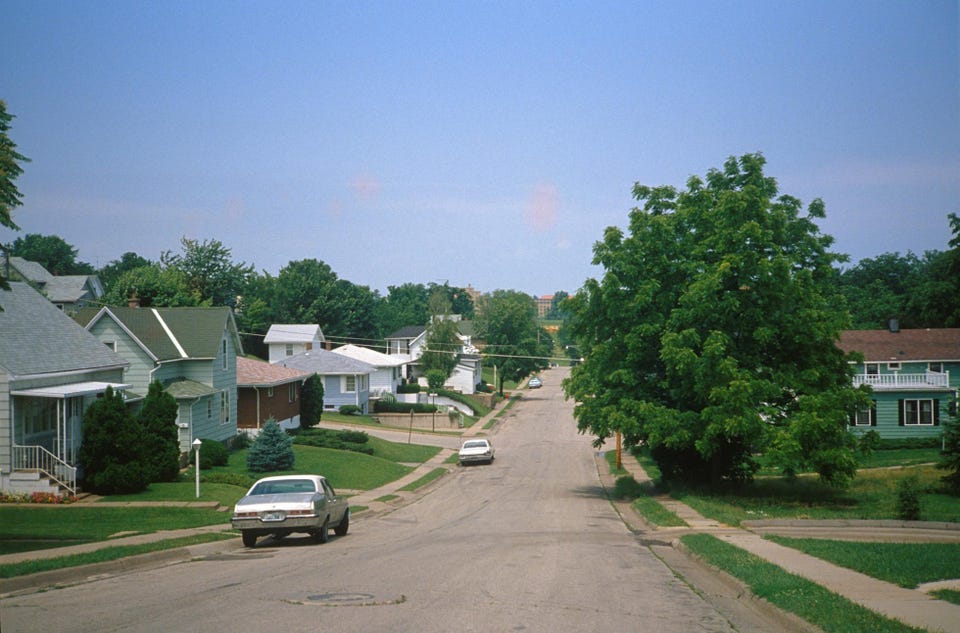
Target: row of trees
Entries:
(711, 337)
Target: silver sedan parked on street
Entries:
(278, 506)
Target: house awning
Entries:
(71, 390)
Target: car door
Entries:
(335, 505)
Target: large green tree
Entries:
(112, 271)
(10, 170)
(442, 344)
(154, 285)
(406, 304)
(209, 271)
(52, 252)
(711, 336)
(112, 453)
(514, 343)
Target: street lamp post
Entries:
(196, 466)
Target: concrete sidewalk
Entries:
(911, 606)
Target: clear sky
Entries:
(484, 143)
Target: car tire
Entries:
(322, 535)
(344, 525)
(249, 539)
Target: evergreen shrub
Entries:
(271, 451)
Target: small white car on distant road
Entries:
(534, 383)
(282, 505)
(475, 451)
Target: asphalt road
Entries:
(527, 544)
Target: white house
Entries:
(389, 368)
(409, 342)
(345, 380)
(289, 339)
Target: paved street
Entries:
(526, 544)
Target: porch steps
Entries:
(28, 481)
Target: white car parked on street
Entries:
(474, 451)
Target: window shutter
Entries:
(936, 412)
(873, 414)
(900, 410)
(853, 419)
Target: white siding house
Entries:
(289, 339)
(388, 368)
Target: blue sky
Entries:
(481, 143)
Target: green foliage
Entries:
(441, 351)
(10, 170)
(908, 499)
(111, 272)
(383, 406)
(950, 454)
(51, 252)
(626, 487)
(410, 387)
(712, 335)
(154, 285)
(515, 344)
(311, 401)
(241, 441)
(349, 409)
(356, 441)
(208, 271)
(158, 416)
(271, 451)
(227, 477)
(112, 454)
(212, 453)
(435, 379)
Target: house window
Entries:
(288, 348)
(866, 417)
(111, 345)
(918, 412)
(873, 369)
(269, 392)
(893, 366)
(935, 367)
(292, 391)
(224, 407)
(223, 352)
(349, 384)
(209, 408)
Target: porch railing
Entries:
(927, 380)
(40, 459)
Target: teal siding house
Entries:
(914, 375)
(191, 351)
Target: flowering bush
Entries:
(36, 497)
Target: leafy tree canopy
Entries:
(10, 170)
(52, 252)
(112, 271)
(514, 343)
(441, 344)
(209, 272)
(711, 335)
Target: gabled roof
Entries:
(256, 373)
(372, 357)
(31, 271)
(174, 333)
(320, 361)
(36, 337)
(72, 288)
(884, 346)
(293, 333)
(408, 332)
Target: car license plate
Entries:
(273, 516)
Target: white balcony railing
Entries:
(926, 380)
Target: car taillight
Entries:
(299, 513)
(244, 515)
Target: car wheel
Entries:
(344, 525)
(323, 534)
(249, 539)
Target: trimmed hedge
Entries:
(403, 407)
(411, 387)
(355, 441)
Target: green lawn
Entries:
(810, 601)
(905, 564)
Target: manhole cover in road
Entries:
(347, 598)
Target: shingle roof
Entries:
(184, 389)
(67, 288)
(167, 331)
(367, 355)
(410, 331)
(31, 271)
(320, 361)
(256, 373)
(37, 338)
(906, 345)
(293, 333)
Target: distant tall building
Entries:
(544, 304)
(474, 295)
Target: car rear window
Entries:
(283, 487)
(475, 445)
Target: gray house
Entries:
(51, 370)
(67, 292)
(191, 351)
(345, 380)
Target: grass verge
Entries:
(808, 600)
(904, 564)
(106, 554)
(436, 473)
(651, 510)
(948, 595)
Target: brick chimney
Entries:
(133, 301)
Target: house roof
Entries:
(256, 373)
(325, 363)
(38, 338)
(293, 333)
(173, 333)
(184, 389)
(367, 355)
(408, 332)
(941, 344)
(31, 271)
(72, 288)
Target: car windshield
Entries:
(283, 486)
(475, 445)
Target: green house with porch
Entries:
(914, 376)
